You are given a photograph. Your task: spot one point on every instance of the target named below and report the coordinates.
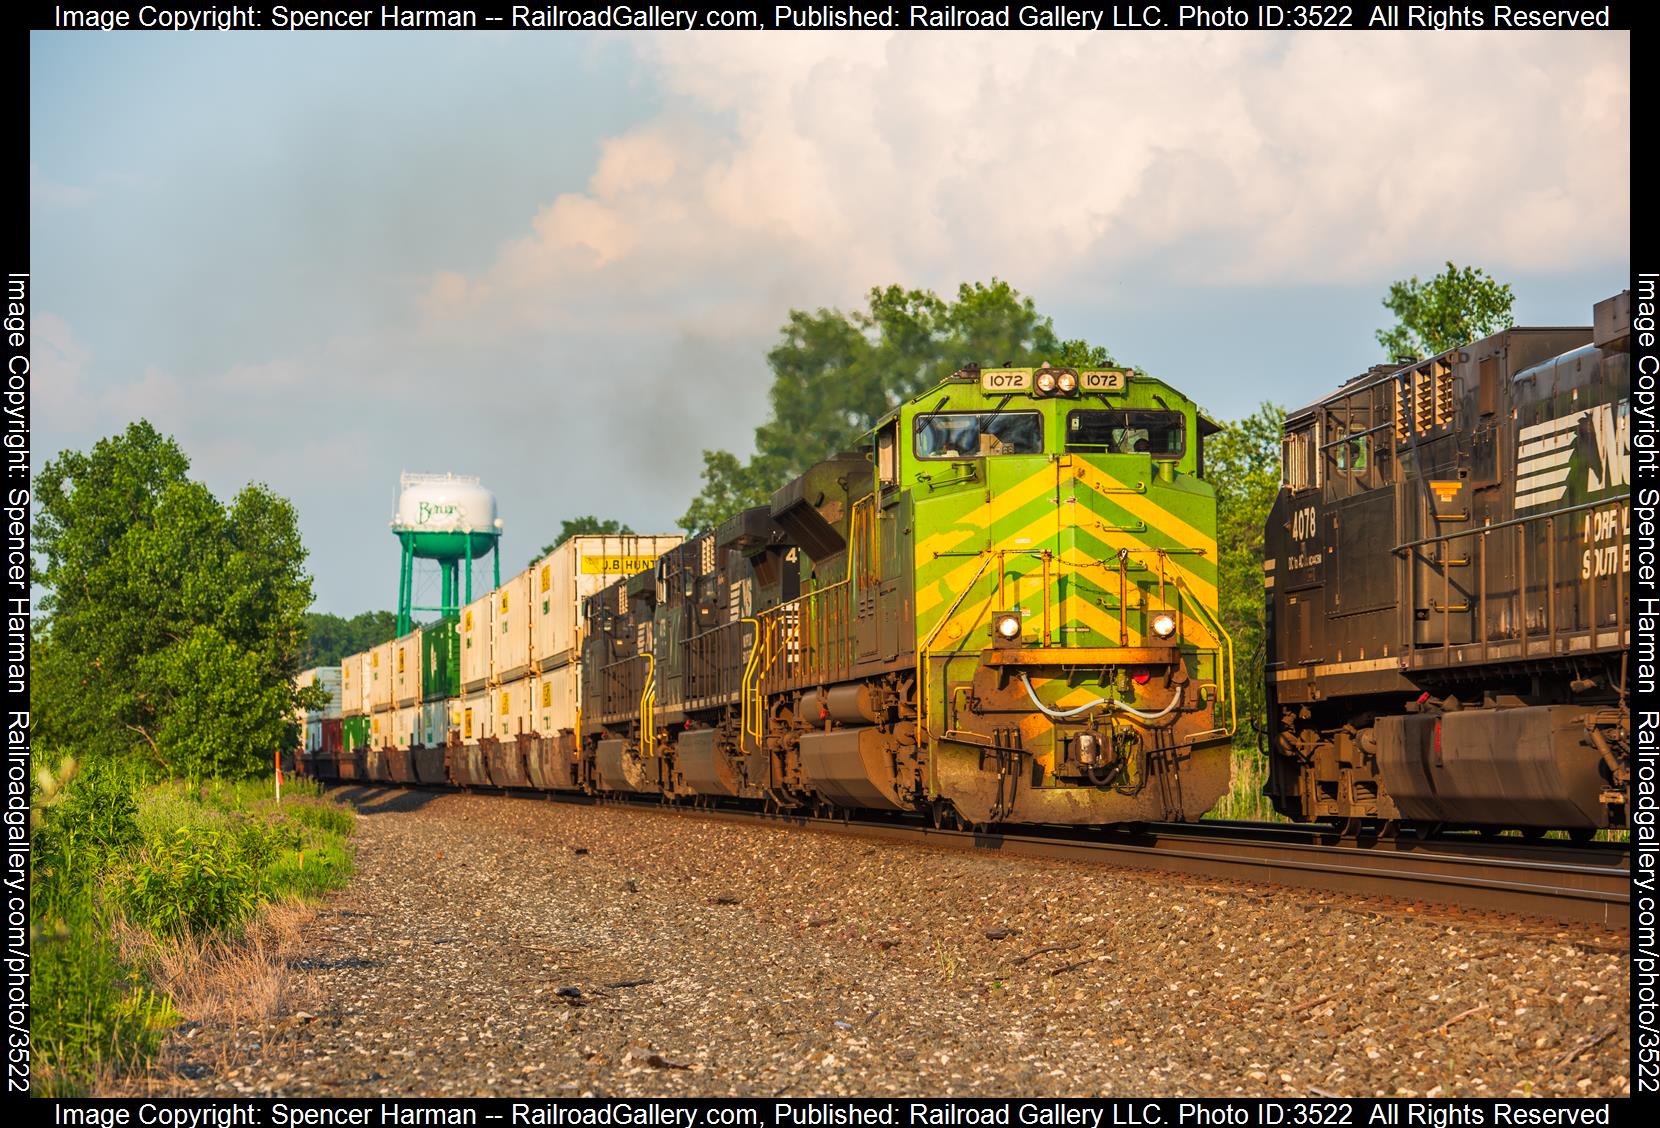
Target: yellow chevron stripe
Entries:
(980, 519)
(947, 587)
(1141, 506)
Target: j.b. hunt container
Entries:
(352, 703)
(512, 714)
(477, 717)
(553, 695)
(578, 568)
(406, 669)
(477, 631)
(380, 678)
(510, 633)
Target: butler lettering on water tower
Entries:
(451, 520)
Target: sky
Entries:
(556, 260)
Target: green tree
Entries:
(582, 527)
(329, 638)
(1242, 462)
(835, 374)
(1455, 307)
(149, 577)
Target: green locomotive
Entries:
(1001, 608)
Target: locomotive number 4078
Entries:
(1303, 524)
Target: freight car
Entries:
(1447, 571)
(1000, 608)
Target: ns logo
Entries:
(1608, 463)
(1596, 440)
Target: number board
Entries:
(1006, 380)
(1103, 380)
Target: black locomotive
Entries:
(1447, 569)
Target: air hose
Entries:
(1061, 715)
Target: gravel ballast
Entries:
(493, 946)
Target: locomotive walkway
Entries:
(491, 945)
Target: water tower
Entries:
(449, 519)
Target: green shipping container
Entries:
(440, 660)
(354, 733)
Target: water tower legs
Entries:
(406, 584)
(450, 570)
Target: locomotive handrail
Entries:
(648, 698)
(925, 665)
(1514, 521)
(1448, 609)
(1215, 624)
(751, 705)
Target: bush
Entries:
(178, 859)
(84, 830)
(197, 879)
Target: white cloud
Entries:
(813, 166)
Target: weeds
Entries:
(1244, 799)
(137, 886)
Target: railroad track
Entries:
(1581, 885)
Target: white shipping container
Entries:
(475, 716)
(512, 709)
(554, 694)
(406, 726)
(329, 678)
(379, 681)
(578, 568)
(351, 685)
(437, 719)
(476, 626)
(406, 669)
(510, 641)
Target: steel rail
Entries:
(1578, 885)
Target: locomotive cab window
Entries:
(1298, 463)
(974, 434)
(1161, 434)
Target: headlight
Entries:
(1007, 625)
(1045, 382)
(1067, 382)
(1164, 625)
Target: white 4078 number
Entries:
(1303, 524)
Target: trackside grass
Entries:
(1244, 799)
(128, 874)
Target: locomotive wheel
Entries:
(1580, 835)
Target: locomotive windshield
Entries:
(1158, 433)
(970, 435)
